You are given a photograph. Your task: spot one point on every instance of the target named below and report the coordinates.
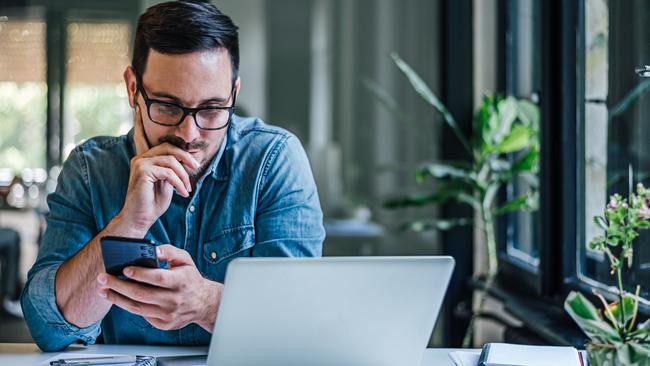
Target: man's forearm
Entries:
(76, 284)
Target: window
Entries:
(523, 80)
(519, 238)
(95, 97)
(616, 125)
(22, 92)
(61, 68)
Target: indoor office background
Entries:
(322, 69)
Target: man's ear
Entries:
(237, 85)
(131, 85)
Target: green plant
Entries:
(503, 145)
(615, 338)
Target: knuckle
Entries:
(160, 278)
(134, 306)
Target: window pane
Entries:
(617, 123)
(22, 93)
(523, 80)
(95, 95)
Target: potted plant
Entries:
(503, 145)
(615, 335)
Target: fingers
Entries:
(173, 164)
(158, 323)
(139, 138)
(132, 290)
(168, 175)
(153, 276)
(179, 154)
(132, 306)
(174, 256)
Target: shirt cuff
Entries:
(42, 297)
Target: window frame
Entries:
(562, 192)
(572, 280)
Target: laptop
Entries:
(376, 311)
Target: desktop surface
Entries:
(28, 353)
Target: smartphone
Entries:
(119, 252)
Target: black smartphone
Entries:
(119, 252)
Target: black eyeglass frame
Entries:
(187, 111)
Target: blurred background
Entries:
(303, 67)
(322, 69)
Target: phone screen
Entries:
(119, 252)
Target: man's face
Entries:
(198, 79)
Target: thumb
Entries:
(139, 137)
(174, 256)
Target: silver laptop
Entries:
(329, 311)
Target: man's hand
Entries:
(155, 173)
(167, 298)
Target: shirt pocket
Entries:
(223, 248)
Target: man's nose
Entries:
(188, 130)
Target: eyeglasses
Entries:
(171, 114)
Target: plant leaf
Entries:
(507, 112)
(437, 170)
(522, 202)
(500, 165)
(628, 306)
(531, 179)
(442, 224)
(516, 140)
(639, 351)
(386, 100)
(425, 92)
(469, 199)
(527, 162)
(528, 113)
(600, 222)
(416, 200)
(583, 312)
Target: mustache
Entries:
(182, 144)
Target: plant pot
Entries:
(614, 355)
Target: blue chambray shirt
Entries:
(257, 198)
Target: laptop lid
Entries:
(329, 311)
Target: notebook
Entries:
(503, 354)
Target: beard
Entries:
(189, 146)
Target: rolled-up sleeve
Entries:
(70, 225)
(289, 220)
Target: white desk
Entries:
(22, 354)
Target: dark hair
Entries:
(185, 26)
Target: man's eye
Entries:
(169, 109)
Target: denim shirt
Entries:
(256, 198)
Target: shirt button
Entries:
(213, 255)
(192, 208)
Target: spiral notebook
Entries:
(503, 354)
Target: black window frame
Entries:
(571, 279)
(556, 111)
(562, 191)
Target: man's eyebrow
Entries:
(177, 100)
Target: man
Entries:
(211, 184)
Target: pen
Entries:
(105, 360)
